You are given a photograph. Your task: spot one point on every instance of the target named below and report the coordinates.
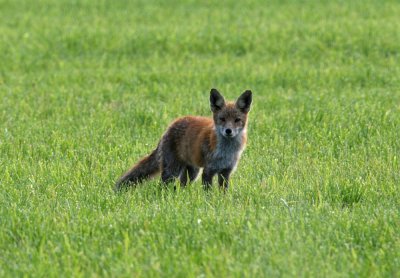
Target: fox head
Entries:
(230, 118)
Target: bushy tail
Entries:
(144, 169)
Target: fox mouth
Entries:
(228, 135)
(227, 132)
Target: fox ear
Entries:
(244, 101)
(216, 100)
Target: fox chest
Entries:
(225, 157)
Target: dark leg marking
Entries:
(171, 166)
(207, 177)
(189, 172)
(223, 178)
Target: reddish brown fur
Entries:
(197, 131)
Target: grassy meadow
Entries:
(88, 87)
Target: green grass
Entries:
(88, 87)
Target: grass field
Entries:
(87, 87)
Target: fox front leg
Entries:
(223, 178)
(207, 177)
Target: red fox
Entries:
(190, 143)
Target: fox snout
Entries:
(229, 131)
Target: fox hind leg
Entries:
(189, 172)
(170, 172)
(171, 165)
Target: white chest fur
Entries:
(227, 153)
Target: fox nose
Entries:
(228, 131)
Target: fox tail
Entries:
(144, 169)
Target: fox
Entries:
(191, 143)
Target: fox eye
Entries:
(222, 119)
(237, 120)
